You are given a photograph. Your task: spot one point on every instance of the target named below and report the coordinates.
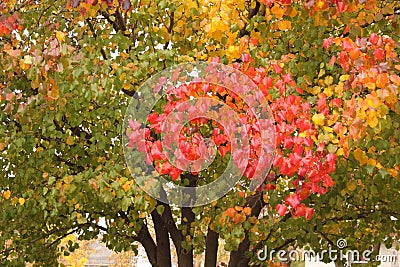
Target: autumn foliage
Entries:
(329, 70)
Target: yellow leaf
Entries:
(328, 91)
(393, 172)
(127, 186)
(70, 140)
(318, 119)
(373, 101)
(360, 156)
(344, 78)
(60, 36)
(358, 153)
(372, 120)
(53, 93)
(321, 73)
(370, 85)
(328, 80)
(266, 198)
(23, 65)
(351, 185)
(126, 86)
(285, 25)
(28, 60)
(320, 4)
(332, 148)
(314, 90)
(303, 134)
(233, 52)
(7, 194)
(21, 201)
(372, 162)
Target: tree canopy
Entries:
(329, 70)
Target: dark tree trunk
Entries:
(211, 249)
(150, 247)
(237, 258)
(162, 240)
(185, 255)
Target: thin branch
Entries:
(103, 53)
(170, 27)
(252, 13)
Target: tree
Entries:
(328, 69)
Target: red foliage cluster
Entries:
(8, 25)
(300, 158)
(299, 155)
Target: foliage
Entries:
(329, 69)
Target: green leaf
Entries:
(160, 209)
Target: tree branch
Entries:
(170, 27)
(103, 53)
(252, 13)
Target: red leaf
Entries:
(309, 213)
(337, 102)
(175, 173)
(327, 42)
(277, 68)
(373, 38)
(156, 151)
(246, 58)
(332, 61)
(270, 187)
(340, 7)
(293, 200)
(379, 54)
(281, 209)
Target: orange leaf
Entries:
(247, 211)
(381, 80)
(285, 25)
(7, 194)
(238, 208)
(278, 11)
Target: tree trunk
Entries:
(162, 240)
(150, 247)
(237, 258)
(185, 258)
(211, 249)
(185, 255)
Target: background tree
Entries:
(69, 68)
